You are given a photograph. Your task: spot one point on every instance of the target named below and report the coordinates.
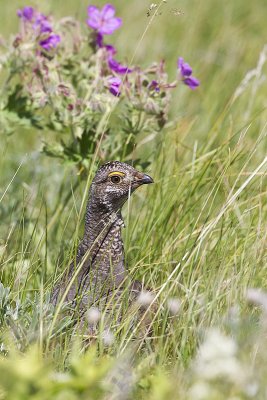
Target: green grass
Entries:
(198, 234)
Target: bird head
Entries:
(114, 182)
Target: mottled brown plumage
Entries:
(99, 269)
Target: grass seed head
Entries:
(145, 298)
(93, 315)
(107, 337)
(173, 305)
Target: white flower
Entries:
(200, 391)
(217, 358)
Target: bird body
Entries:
(99, 269)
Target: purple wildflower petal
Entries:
(180, 62)
(192, 82)
(108, 11)
(109, 26)
(103, 20)
(184, 67)
(117, 67)
(154, 85)
(94, 15)
(92, 10)
(42, 24)
(114, 85)
(45, 27)
(186, 70)
(115, 91)
(114, 81)
(111, 50)
(50, 42)
(26, 13)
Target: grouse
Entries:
(99, 268)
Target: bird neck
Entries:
(103, 241)
(98, 220)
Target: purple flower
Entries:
(192, 82)
(184, 67)
(114, 86)
(99, 41)
(154, 85)
(26, 13)
(103, 20)
(111, 50)
(40, 28)
(41, 22)
(117, 67)
(50, 42)
(114, 65)
(186, 72)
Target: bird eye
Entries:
(115, 179)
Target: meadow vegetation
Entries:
(197, 237)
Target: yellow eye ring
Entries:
(116, 176)
(116, 173)
(115, 179)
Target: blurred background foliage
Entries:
(221, 40)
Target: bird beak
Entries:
(144, 179)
